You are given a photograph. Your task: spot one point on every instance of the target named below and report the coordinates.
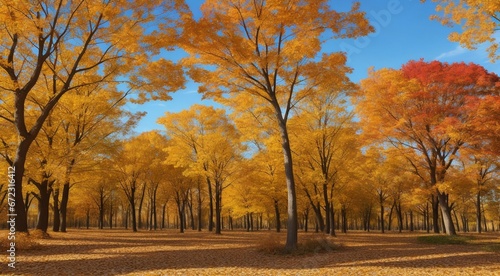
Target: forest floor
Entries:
(121, 252)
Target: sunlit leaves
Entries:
(480, 20)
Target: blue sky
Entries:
(403, 32)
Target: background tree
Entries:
(206, 144)
(269, 50)
(424, 114)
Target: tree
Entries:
(324, 138)
(68, 45)
(479, 20)
(207, 145)
(269, 50)
(425, 114)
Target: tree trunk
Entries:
(164, 206)
(55, 210)
(218, 207)
(343, 213)
(332, 219)
(18, 165)
(292, 222)
(327, 209)
(64, 205)
(411, 221)
(399, 213)
(478, 211)
(43, 204)
(139, 211)
(446, 213)
(101, 209)
(277, 216)
(132, 209)
(199, 208)
(210, 206)
(190, 205)
(382, 223)
(435, 214)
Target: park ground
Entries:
(121, 252)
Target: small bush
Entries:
(271, 245)
(24, 241)
(317, 244)
(443, 239)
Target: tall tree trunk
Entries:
(65, 194)
(101, 209)
(292, 223)
(18, 166)
(327, 209)
(478, 211)
(190, 205)
(218, 207)
(139, 211)
(64, 205)
(411, 221)
(163, 207)
(435, 214)
(132, 209)
(210, 206)
(199, 208)
(332, 219)
(343, 213)
(55, 210)
(180, 209)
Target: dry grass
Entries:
(120, 252)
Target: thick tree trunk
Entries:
(435, 214)
(446, 213)
(43, 204)
(21, 217)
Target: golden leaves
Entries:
(479, 21)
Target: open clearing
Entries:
(120, 252)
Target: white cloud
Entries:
(459, 50)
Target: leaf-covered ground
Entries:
(120, 252)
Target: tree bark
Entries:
(446, 213)
(210, 206)
(478, 211)
(64, 205)
(277, 216)
(55, 210)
